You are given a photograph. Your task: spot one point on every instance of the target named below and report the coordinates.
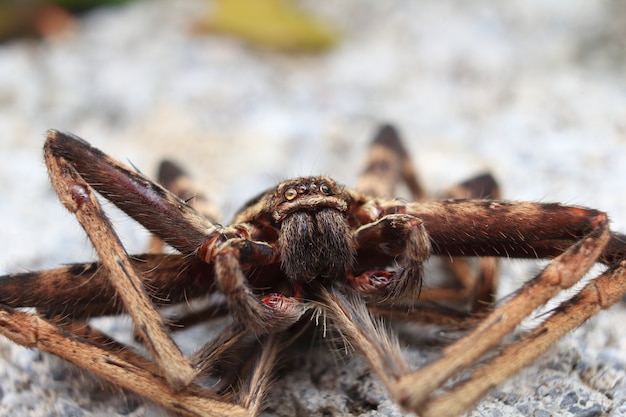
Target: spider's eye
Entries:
(290, 194)
(325, 189)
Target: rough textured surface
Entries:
(532, 91)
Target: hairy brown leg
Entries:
(165, 215)
(427, 314)
(354, 322)
(404, 237)
(176, 180)
(157, 209)
(229, 347)
(478, 283)
(77, 196)
(387, 165)
(274, 312)
(563, 272)
(81, 291)
(127, 370)
(218, 244)
(492, 228)
(599, 294)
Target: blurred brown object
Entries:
(31, 18)
(42, 18)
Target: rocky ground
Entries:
(532, 91)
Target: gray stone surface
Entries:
(532, 91)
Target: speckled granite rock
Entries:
(533, 92)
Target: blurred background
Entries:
(245, 93)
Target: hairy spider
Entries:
(308, 248)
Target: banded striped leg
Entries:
(600, 294)
(387, 166)
(478, 283)
(76, 167)
(176, 180)
(545, 230)
(119, 366)
(78, 197)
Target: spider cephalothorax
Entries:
(282, 255)
(314, 235)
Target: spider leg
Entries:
(80, 291)
(437, 315)
(274, 312)
(154, 207)
(388, 164)
(478, 282)
(402, 236)
(176, 180)
(215, 360)
(191, 317)
(254, 391)
(165, 215)
(251, 391)
(119, 366)
(235, 352)
(506, 229)
(599, 294)
(352, 319)
(561, 273)
(77, 196)
(575, 237)
(208, 357)
(398, 235)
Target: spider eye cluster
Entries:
(290, 194)
(313, 188)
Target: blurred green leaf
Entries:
(276, 24)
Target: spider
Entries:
(306, 251)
